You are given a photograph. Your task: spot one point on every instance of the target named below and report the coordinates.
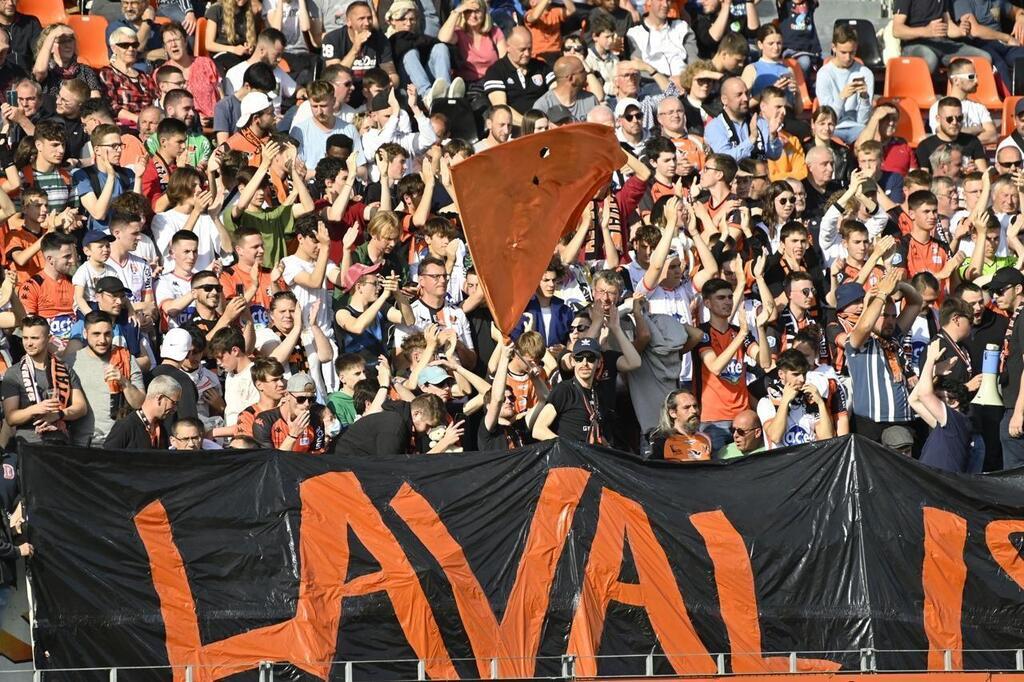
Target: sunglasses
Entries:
(580, 327)
(573, 48)
(126, 46)
(957, 119)
(786, 201)
(589, 358)
(637, 116)
(303, 399)
(735, 430)
(208, 287)
(706, 82)
(967, 76)
(1010, 164)
(806, 291)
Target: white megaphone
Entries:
(989, 394)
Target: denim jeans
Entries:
(718, 432)
(1013, 448)
(439, 65)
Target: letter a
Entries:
(657, 591)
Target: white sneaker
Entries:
(457, 89)
(437, 91)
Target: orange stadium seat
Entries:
(46, 11)
(1008, 123)
(91, 32)
(201, 37)
(909, 77)
(987, 93)
(801, 82)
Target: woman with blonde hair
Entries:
(129, 91)
(57, 61)
(479, 42)
(231, 31)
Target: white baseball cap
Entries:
(623, 104)
(177, 344)
(253, 103)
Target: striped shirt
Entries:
(880, 390)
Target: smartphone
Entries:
(12, 98)
(239, 290)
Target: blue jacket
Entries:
(561, 318)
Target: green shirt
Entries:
(732, 451)
(990, 267)
(276, 226)
(197, 146)
(343, 406)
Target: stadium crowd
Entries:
(242, 231)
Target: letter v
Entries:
(516, 640)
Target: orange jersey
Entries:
(53, 299)
(928, 257)
(523, 390)
(547, 30)
(722, 396)
(233, 277)
(19, 240)
(243, 427)
(680, 447)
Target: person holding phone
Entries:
(846, 85)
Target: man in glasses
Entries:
(629, 126)
(950, 115)
(187, 434)
(295, 425)
(98, 185)
(432, 307)
(747, 436)
(145, 428)
(963, 82)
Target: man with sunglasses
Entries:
(576, 409)
(629, 126)
(294, 425)
(747, 436)
(950, 115)
(963, 82)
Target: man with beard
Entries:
(111, 298)
(736, 133)
(987, 328)
(180, 104)
(295, 424)
(950, 115)
(498, 120)
(211, 314)
(569, 92)
(629, 126)
(50, 293)
(255, 124)
(111, 380)
(677, 438)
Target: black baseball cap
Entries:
(1005, 277)
(111, 285)
(586, 346)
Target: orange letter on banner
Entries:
(657, 591)
(943, 575)
(735, 580)
(331, 503)
(997, 537)
(516, 641)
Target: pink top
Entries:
(202, 83)
(476, 59)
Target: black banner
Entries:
(222, 559)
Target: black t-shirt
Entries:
(920, 12)
(74, 136)
(501, 437)
(1014, 367)
(130, 433)
(215, 13)
(188, 403)
(991, 329)
(383, 433)
(520, 92)
(574, 404)
(24, 33)
(375, 51)
(968, 144)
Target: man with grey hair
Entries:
(603, 115)
(946, 162)
(143, 429)
(819, 186)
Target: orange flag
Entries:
(518, 199)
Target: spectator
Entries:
(50, 293)
(423, 60)
(269, 49)
(798, 414)
(823, 127)
(941, 407)
(359, 46)
(180, 105)
(963, 82)
(498, 121)
(230, 32)
(667, 45)
(258, 79)
(56, 61)
(138, 16)
(187, 434)
(950, 132)
(97, 186)
(392, 429)
(22, 30)
(145, 428)
(570, 77)
(736, 133)
(770, 70)
(927, 31)
(845, 85)
(302, 29)
(747, 437)
(479, 43)
(129, 90)
(796, 21)
(199, 73)
(517, 79)
(677, 438)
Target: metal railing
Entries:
(562, 667)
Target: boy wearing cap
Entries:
(295, 424)
(96, 246)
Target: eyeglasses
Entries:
(806, 291)
(175, 84)
(633, 117)
(955, 119)
(967, 76)
(786, 201)
(580, 328)
(208, 287)
(443, 275)
(116, 145)
(673, 112)
(189, 439)
(630, 74)
(712, 168)
(303, 399)
(172, 401)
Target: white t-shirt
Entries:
(448, 317)
(167, 223)
(168, 288)
(86, 277)
(239, 393)
(285, 84)
(800, 423)
(146, 249)
(974, 114)
(135, 274)
(293, 265)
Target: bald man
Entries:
(739, 133)
(747, 436)
(517, 79)
(570, 77)
(602, 115)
